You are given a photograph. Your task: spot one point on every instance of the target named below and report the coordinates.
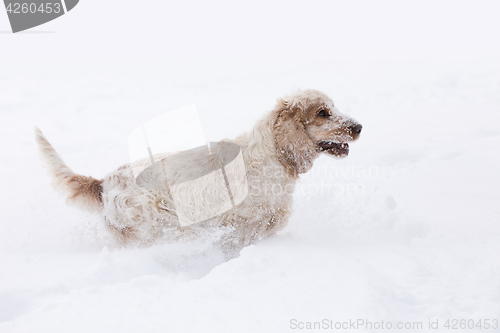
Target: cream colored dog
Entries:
(280, 147)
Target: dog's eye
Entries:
(322, 113)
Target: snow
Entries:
(404, 229)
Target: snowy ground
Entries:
(406, 229)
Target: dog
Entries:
(281, 146)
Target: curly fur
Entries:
(280, 147)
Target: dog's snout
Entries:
(357, 128)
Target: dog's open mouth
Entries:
(335, 148)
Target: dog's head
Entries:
(307, 124)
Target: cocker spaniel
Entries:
(281, 146)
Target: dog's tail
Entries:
(83, 192)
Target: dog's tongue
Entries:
(327, 145)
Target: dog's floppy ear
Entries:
(294, 147)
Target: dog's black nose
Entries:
(357, 128)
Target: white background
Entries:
(418, 241)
